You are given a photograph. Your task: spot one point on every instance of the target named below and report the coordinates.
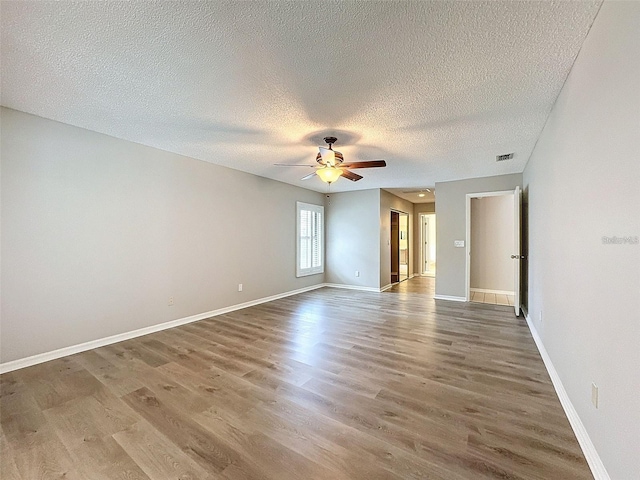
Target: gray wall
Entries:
(583, 183)
(492, 243)
(451, 225)
(353, 238)
(389, 202)
(358, 233)
(419, 208)
(98, 233)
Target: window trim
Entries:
(303, 272)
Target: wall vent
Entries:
(502, 158)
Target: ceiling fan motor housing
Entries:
(339, 158)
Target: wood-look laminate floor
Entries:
(329, 384)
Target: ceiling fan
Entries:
(331, 165)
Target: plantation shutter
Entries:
(310, 241)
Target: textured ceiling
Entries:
(438, 89)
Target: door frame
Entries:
(467, 242)
(421, 240)
(394, 244)
(400, 212)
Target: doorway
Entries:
(493, 248)
(428, 244)
(399, 246)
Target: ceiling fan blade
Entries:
(354, 177)
(293, 165)
(370, 164)
(307, 177)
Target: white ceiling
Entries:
(438, 89)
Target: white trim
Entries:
(353, 287)
(101, 342)
(451, 298)
(497, 292)
(386, 287)
(400, 212)
(588, 448)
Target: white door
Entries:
(517, 256)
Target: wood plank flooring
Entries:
(329, 384)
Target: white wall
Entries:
(353, 238)
(388, 202)
(492, 243)
(583, 183)
(98, 233)
(451, 209)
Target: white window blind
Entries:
(310, 239)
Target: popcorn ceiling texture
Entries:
(438, 89)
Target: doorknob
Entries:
(515, 257)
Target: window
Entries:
(310, 239)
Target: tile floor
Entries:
(492, 298)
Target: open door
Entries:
(479, 246)
(517, 256)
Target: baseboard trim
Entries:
(364, 289)
(82, 347)
(588, 448)
(497, 292)
(450, 298)
(353, 287)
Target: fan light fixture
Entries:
(329, 174)
(331, 165)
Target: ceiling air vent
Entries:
(502, 158)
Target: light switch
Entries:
(458, 243)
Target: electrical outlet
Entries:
(540, 322)
(357, 273)
(239, 287)
(170, 301)
(594, 395)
